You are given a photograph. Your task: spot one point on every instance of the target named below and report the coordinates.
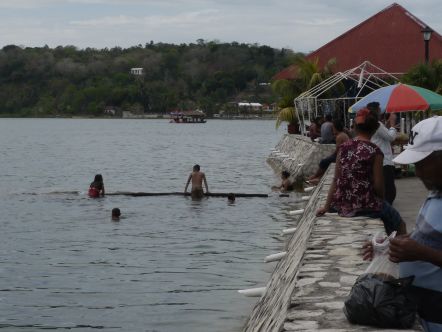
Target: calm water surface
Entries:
(171, 264)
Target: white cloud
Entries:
(158, 21)
(303, 25)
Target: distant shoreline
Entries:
(120, 118)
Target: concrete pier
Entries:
(308, 287)
(298, 155)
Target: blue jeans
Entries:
(324, 163)
(388, 214)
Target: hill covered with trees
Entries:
(67, 81)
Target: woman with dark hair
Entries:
(358, 184)
(97, 187)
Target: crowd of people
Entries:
(196, 177)
(363, 185)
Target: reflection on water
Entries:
(170, 263)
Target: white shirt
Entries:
(383, 138)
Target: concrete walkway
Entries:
(309, 285)
(332, 262)
(411, 194)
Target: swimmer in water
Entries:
(231, 198)
(197, 177)
(97, 187)
(116, 213)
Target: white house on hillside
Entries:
(136, 71)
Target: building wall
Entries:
(391, 39)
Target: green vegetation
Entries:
(66, 81)
(288, 115)
(426, 76)
(309, 74)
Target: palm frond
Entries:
(288, 115)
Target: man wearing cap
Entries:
(420, 253)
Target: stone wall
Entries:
(298, 155)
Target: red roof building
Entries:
(391, 39)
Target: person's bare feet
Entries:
(313, 181)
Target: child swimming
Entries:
(97, 187)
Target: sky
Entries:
(300, 25)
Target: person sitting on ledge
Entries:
(327, 131)
(419, 254)
(314, 130)
(341, 137)
(358, 185)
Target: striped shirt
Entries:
(428, 232)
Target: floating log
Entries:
(137, 194)
(236, 195)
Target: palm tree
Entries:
(309, 75)
(289, 115)
(310, 72)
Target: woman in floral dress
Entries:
(358, 184)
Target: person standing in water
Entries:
(97, 187)
(197, 178)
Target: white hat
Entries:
(425, 137)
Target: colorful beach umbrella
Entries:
(401, 98)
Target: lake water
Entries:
(171, 264)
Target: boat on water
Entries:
(196, 116)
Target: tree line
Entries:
(67, 81)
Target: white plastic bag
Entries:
(378, 298)
(381, 265)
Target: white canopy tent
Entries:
(312, 103)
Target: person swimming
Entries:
(197, 177)
(97, 187)
(116, 213)
(231, 198)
